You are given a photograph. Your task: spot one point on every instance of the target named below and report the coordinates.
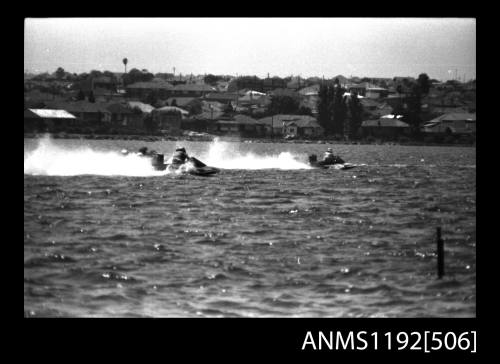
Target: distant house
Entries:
(359, 88)
(376, 92)
(120, 114)
(388, 126)
(180, 101)
(296, 125)
(212, 105)
(444, 105)
(169, 119)
(42, 119)
(239, 124)
(192, 90)
(302, 126)
(142, 90)
(373, 109)
(222, 97)
(139, 112)
(452, 123)
(104, 95)
(86, 111)
(250, 97)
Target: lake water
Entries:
(105, 235)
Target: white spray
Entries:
(224, 155)
(52, 160)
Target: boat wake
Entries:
(224, 155)
(50, 159)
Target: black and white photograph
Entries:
(248, 167)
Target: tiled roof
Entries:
(385, 122)
(78, 106)
(52, 114)
(151, 85)
(454, 116)
(168, 109)
(224, 96)
(194, 87)
(145, 108)
(244, 119)
(181, 101)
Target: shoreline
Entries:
(157, 138)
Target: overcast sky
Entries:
(364, 47)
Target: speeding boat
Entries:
(191, 166)
(337, 163)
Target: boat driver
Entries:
(180, 156)
(329, 157)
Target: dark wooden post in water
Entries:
(440, 254)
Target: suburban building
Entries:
(42, 119)
(302, 126)
(238, 124)
(222, 97)
(388, 126)
(376, 92)
(359, 88)
(169, 119)
(93, 112)
(142, 90)
(452, 123)
(192, 90)
(295, 125)
(139, 112)
(120, 114)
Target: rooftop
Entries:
(151, 85)
(385, 122)
(169, 109)
(78, 106)
(145, 108)
(52, 114)
(470, 117)
(194, 87)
